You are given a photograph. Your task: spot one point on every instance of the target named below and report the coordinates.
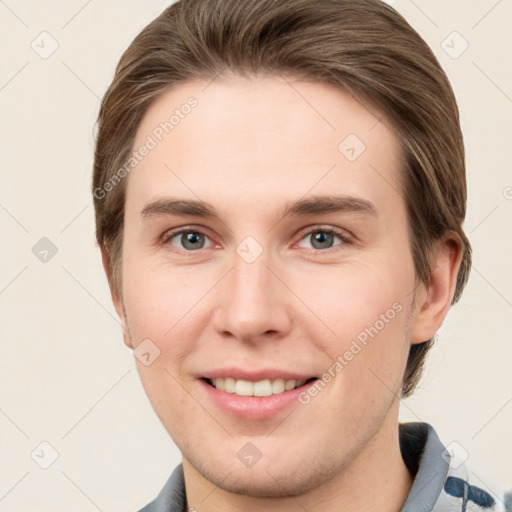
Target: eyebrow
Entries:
(313, 205)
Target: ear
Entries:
(433, 300)
(118, 303)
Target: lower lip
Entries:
(253, 407)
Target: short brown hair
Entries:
(364, 47)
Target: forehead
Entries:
(263, 138)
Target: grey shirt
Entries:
(442, 482)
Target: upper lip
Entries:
(255, 375)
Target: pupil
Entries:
(321, 238)
(191, 241)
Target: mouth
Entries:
(261, 388)
(254, 395)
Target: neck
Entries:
(377, 479)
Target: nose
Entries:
(253, 303)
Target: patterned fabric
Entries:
(442, 483)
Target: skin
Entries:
(251, 145)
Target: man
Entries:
(279, 190)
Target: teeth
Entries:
(289, 384)
(229, 385)
(278, 386)
(244, 388)
(261, 388)
(220, 384)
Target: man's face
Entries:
(257, 295)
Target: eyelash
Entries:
(344, 237)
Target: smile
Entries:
(260, 388)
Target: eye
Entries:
(324, 238)
(320, 238)
(190, 240)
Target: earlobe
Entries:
(433, 300)
(118, 304)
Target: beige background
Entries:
(67, 378)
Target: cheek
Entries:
(157, 298)
(161, 305)
(359, 321)
(349, 299)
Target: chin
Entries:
(279, 478)
(258, 483)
